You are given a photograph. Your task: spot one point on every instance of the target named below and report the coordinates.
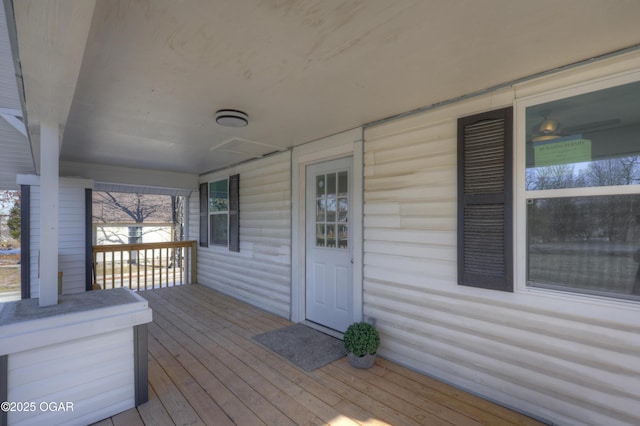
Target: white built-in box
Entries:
(77, 362)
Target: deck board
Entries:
(205, 368)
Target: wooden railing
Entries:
(144, 266)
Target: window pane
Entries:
(320, 238)
(587, 140)
(331, 184)
(343, 184)
(331, 235)
(331, 209)
(218, 196)
(320, 210)
(343, 209)
(218, 229)
(585, 244)
(320, 186)
(343, 236)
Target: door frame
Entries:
(346, 144)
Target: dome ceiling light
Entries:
(231, 118)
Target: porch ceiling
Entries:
(138, 83)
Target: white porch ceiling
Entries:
(137, 83)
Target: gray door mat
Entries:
(305, 347)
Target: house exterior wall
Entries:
(71, 234)
(570, 359)
(566, 358)
(260, 273)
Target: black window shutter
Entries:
(88, 239)
(485, 199)
(25, 242)
(234, 213)
(204, 215)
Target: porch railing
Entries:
(144, 266)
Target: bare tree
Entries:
(109, 207)
(120, 207)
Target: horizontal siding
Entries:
(34, 258)
(91, 372)
(71, 236)
(572, 369)
(71, 251)
(260, 274)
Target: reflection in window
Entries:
(589, 140)
(585, 243)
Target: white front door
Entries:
(329, 245)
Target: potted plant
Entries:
(361, 340)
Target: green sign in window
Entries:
(567, 150)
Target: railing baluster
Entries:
(153, 269)
(138, 273)
(180, 255)
(121, 268)
(166, 267)
(113, 269)
(175, 255)
(145, 268)
(185, 265)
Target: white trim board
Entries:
(346, 144)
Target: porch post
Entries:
(49, 189)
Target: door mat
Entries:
(305, 347)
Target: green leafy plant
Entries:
(361, 338)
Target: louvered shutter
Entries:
(485, 234)
(204, 215)
(234, 213)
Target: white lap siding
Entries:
(71, 236)
(566, 359)
(260, 273)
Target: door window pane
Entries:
(320, 186)
(321, 241)
(343, 184)
(320, 210)
(331, 209)
(343, 209)
(331, 235)
(331, 184)
(343, 236)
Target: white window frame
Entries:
(217, 213)
(521, 194)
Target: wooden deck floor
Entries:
(204, 368)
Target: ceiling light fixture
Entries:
(231, 118)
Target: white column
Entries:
(49, 165)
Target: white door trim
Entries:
(346, 144)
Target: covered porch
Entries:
(205, 368)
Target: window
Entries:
(582, 190)
(219, 213)
(332, 210)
